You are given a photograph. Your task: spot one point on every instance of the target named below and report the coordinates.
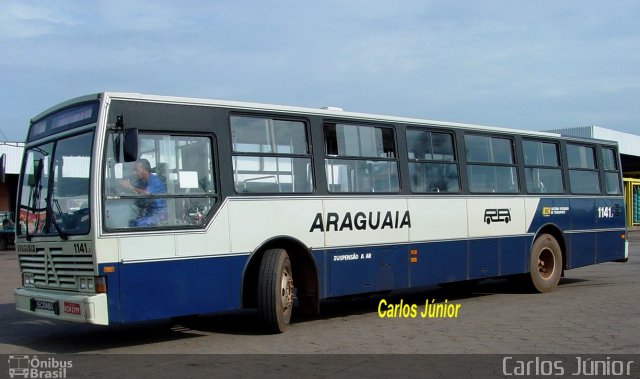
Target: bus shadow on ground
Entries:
(59, 337)
(247, 322)
(515, 285)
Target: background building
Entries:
(9, 189)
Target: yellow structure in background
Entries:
(632, 201)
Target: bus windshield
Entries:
(55, 188)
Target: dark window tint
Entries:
(611, 175)
(609, 161)
(426, 145)
(584, 182)
(583, 176)
(483, 149)
(359, 141)
(427, 152)
(538, 153)
(490, 165)
(543, 180)
(581, 157)
(542, 167)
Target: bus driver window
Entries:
(171, 185)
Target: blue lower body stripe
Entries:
(160, 289)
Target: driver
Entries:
(151, 211)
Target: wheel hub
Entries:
(546, 263)
(286, 295)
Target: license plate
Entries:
(45, 305)
(72, 308)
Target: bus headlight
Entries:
(28, 279)
(86, 284)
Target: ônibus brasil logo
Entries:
(24, 366)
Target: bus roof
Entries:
(325, 112)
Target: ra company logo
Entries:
(497, 215)
(24, 366)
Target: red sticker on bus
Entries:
(71, 308)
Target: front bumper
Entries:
(89, 308)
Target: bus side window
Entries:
(583, 172)
(491, 164)
(360, 158)
(432, 161)
(270, 155)
(611, 172)
(542, 170)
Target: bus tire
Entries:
(275, 290)
(4, 243)
(545, 263)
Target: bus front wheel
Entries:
(545, 264)
(275, 290)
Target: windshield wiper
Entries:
(51, 215)
(26, 222)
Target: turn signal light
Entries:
(101, 284)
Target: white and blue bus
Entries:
(136, 207)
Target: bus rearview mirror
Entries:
(130, 145)
(3, 167)
(34, 178)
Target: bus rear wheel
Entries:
(275, 290)
(545, 263)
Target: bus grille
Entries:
(54, 269)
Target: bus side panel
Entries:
(172, 288)
(437, 219)
(583, 214)
(582, 241)
(439, 262)
(581, 250)
(483, 258)
(611, 214)
(514, 255)
(610, 246)
(498, 257)
(237, 266)
(550, 211)
(356, 270)
(113, 291)
(502, 256)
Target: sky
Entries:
(533, 65)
